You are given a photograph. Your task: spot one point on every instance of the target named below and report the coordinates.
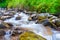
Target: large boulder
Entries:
(30, 36)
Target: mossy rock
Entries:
(57, 23)
(41, 18)
(30, 36)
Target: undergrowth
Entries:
(41, 6)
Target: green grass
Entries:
(50, 6)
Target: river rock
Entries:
(1, 13)
(17, 31)
(2, 32)
(29, 13)
(9, 13)
(2, 26)
(10, 9)
(18, 18)
(20, 10)
(5, 17)
(40, 19)
(57, 22)
(10, 25)
(30, 18)
(33, 17)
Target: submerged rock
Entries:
(1, 13)
(30, 36)
(18, 18)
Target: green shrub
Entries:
(50, 6)
(3, 3)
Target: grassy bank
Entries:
(51, 6)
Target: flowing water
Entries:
(7, 35)
(24, 23)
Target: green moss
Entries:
(30, 36)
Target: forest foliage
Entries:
(42, 6)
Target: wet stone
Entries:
(10, 14)
(10, 24)
(57, 23)
(2, 32)
(18, 18)
(17, 29)
(48, 23)
(12, 9)
(29, 13)
(2, 26)
(33, 18)
(58, 28)
(2, 38)
(1, 13)
(5, 17)
(30, 19)
(45, 22)
(20, 10)
(16, 32)
(15, 37)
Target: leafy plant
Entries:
(50, 6)
(3, 3)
